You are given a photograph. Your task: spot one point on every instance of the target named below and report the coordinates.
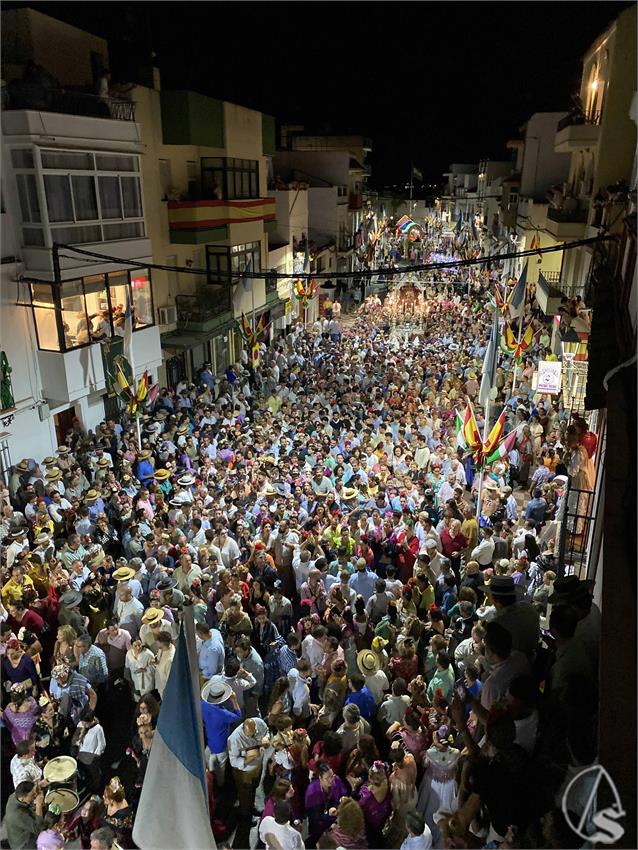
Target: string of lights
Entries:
(386, 271)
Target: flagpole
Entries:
(518, 342)
(139, 432)
(481, 474)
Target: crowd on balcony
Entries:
(389, 653)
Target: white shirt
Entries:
(286, 835)
(377, 684)
(94, 741)
(24, 771)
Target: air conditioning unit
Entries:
(44, 411)
(168, 315)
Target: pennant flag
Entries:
(490, 363)
(176, 763)
(504, 447)
(516, 301)
(495, 435)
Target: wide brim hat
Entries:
(63, 450)
(53, 475)
(23, 465)
(103, 462)
(216, 692)
(166, 583)
(49, 460)
(161, 474)
(70, 599)
(368, 662)
(566, 589)
(123, 573)
(18, 532)
(144, 454)
(186, 481)
(270, 491)
(349, 493)
(153, 428)
(98, 559)
(91, 496)
(183, 429)
(499, 586)
(490, 484)
(42, 539)
(152, 615)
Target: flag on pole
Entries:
(416, 174)
(490, 363)
(504, 447)
(176, 763)
(516, 301)
(468, 436)
(128, 331)
(493, 438)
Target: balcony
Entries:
(355, 201)
(575, 134)
(23, 95)
(570, 290)
(200, 222)
(71, 375)
(567, 224)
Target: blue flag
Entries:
(490, 362)
(173, 807)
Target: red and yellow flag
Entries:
(493, 438)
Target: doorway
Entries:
(63, 424)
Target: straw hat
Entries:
(103, 462)
(91, 496)
(368, 662)
(186, 481)
(49, 460)
(269, 490)
(42, 539)
(350, 493)
(216, 692)
(161, 474)
(183, 429)
(23, 465)
(123, 573)
(53, 475)
(144, 455)
(98, 559)
(63, 450)
(490, 484)
(152, 615)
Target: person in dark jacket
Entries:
(23, 818)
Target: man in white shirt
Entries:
(484, 552)
(128, 610)
(92, 743)
(277, 833)
(22, 766)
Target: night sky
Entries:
(432, 82)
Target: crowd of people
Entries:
(384, 662)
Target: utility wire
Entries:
(362, 273)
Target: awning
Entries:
(183, 341)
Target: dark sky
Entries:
(435, 82)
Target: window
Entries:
(80, 312)
(112, 203)
(28, 196)
(229, 178)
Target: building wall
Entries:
(542, 167)
(63, 50)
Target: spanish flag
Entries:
(468, 437)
